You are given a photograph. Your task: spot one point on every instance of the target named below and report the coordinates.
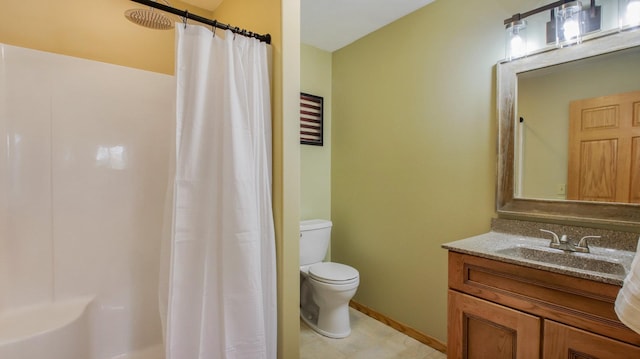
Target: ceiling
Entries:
(332, 24)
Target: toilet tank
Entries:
(315, 235)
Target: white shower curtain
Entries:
(218, 281)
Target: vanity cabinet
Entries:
(502, 310)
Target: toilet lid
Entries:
(332, 272)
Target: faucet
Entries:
(582, 245)
(564, 244)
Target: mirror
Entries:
(542, 132)
(536, 168)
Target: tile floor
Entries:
(369, 339)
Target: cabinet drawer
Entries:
(573, 301)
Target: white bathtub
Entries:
(62, 237)
(53, 331)
(58, 330)
(153, 352)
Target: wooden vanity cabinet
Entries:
(501, 310)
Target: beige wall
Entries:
(315, 161)
(414, 152)
(97, 30)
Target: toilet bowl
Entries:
(326, 303)
(325, 287)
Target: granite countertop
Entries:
(607, 265)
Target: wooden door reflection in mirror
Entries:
(604, 149)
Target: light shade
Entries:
(569, 24)
(629, 14)
(516, 39)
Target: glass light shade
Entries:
(629, 13)
(516, 39)
(569, 24)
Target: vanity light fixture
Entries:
(516, 39)
(629, 14)
(569, 22)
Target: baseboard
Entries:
(413, 333)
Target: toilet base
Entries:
(313, 325)
(325, 306)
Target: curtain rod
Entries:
(187, 15)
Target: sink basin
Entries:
(608, 264)
(583, 261)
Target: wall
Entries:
(99, 31)
(414, 152)
(315, 161)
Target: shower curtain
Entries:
(218, 281)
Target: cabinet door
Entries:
(561, 341)
(479, 329)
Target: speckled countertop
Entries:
(605, 263)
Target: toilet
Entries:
(325, 287)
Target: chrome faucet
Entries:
(582, 245)
(564, 244)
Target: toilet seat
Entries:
(333, 273)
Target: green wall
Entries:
(414, 152)
(315, 161)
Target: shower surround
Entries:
(83, 174)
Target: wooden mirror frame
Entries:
(559, 211)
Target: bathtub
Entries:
(53, 331)
(59, 330)
(153, 352)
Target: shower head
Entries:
(151, 18)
